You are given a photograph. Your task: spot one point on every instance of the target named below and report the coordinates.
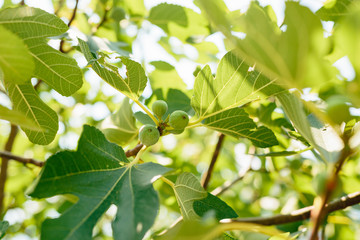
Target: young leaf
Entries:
(132, 86)
(56, 69)
(26, 101)
(211, 202)
(98, 175)
(16, 62)
(233, 86)
(187, 190)
(17, 118)
(120, 127)
(236, 122)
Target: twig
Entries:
(134, 151)
(103, 20)
(318, 213)
(22, 3)
(72, 18)
(228, 184)
(23, 160)
(4, 164)
(207, 175)
(304, 213)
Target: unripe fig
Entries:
(177, 131)
(338, 110)
(178, 119)
(159, 108)
(149, 135)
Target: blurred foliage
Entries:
(172, 43)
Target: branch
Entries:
(134, 151)
(304, 213)
(4, 164)
(215, 155)
(103, 20)
(61, 48)
(23, 160)
(319, 212)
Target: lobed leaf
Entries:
(17, 118)
(340, 9)
(16, 62)
(187, 190)
(25, 100)
(213, 203)
(132, 86)
(33, 25)
(233, 86)
(98, 175)
(236, 122)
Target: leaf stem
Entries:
(147, 111)
(170, 183)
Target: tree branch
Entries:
(23, 160)
(72, 18)
(304, 213)
(319, 212)
(4, 164)
(207, 175)
(134, 151)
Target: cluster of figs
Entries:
(175, 123)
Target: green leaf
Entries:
(324, 139)
(340, 9)
(4, 225)
(120, 127)
(16, 62)
(178, 21)
(53, 67)
(132, 86)
(98, 175)
(187, 190)
(236, 122)
(233, 86)
(25, 100)
(178, 100)
(42, 24)
(211, 202)
(144, 118)
(17, 118)
(282, 153)
(165, 77)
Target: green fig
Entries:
(149, 135)
(176, 131)
(178, 119)
(159, 108)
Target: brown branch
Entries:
(207, 175)
(72, 18)
(23, 160)
(134, 151)
(318, 213)
(4, 164)
(103, 20)
(304, 213)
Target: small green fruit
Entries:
(159, 108)
(177, 131)
(149, 135)
(178, 119)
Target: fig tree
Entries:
(159, 108)
(178, 120)
(149, 135)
